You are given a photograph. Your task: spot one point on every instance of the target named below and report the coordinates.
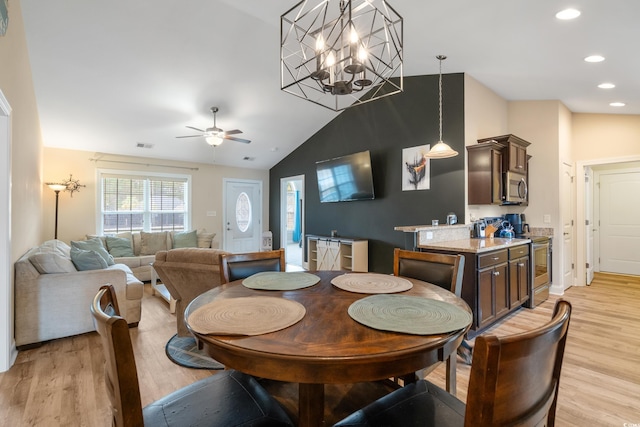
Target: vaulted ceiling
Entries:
(127, 77)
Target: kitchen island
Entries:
(497, 272)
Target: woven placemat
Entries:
(280, 280)
(371, 283)
(408, 314)
(246, 316)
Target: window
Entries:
(149, 202)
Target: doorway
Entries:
(292, 220)
(242, 215)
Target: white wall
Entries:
(77, 214)
(26, 161)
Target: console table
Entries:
(337, 253)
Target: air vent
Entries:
(143, 145)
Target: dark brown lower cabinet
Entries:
(495, 283)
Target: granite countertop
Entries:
(414, 228)
(475, 245)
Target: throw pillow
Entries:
(95, 245)
(185, 239)
(119, 246)
(87, 259)
(205, 239)
(153, 242)
(51, 263)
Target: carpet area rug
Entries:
(184, 351)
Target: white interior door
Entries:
(566, 206)
(242, 215)
(589, 222)
(620, 222)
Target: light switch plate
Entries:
(546, 219)
(211, 213)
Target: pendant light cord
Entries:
(441, 58)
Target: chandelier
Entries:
(340, 55)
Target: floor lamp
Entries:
(57, 188)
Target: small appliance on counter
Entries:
(517, 221)
(452, 218)
(479, 229)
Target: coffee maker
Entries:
(517, 221)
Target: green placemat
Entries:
(280, 280)
(408, 314)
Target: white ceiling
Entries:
(111, 74)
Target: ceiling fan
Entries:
(214, 135)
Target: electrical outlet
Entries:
(429, 235)
(211, 213)
(546, 219)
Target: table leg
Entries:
(310, 405)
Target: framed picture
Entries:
(4, 17)
(415, 168)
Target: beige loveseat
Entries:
(145, 245)
(187, 273)
(52, 297)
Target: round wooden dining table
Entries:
(327, 346)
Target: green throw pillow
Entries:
(119, 246)
(185, 239)
(87, 259)
(94, 244)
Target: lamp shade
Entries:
(56, 187)
(441, 151)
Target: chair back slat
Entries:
(121, 375)
(515, 379)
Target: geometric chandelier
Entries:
(341, 53)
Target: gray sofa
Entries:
(52, 297)
(145, 246)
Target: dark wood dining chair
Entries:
(240, 266)
(228, 398)
(442, 270)
(514, 380)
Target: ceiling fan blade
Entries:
(199, 130)
(232, 138)
(189, 136)
(233, 132)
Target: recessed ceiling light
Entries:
(617, 104)
(568, 14)
(594, 58)
(606, 85)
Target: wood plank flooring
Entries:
(62, 383)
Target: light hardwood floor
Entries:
(61, 383)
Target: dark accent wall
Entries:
(384, 127)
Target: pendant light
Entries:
(440, 150)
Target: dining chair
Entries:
(240, 266)
(514, 380)
(228, 398)
(442, 270)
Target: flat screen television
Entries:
(345, 178)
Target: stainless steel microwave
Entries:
(515, 188)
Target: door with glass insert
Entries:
(243, 213)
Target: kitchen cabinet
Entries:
(493, 301)
(496, 277)
(489, 161)
(519, 275)
(485, 173)
(333, 253)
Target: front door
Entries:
(242, 215)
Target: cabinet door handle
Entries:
(496, 273)
(495, 258)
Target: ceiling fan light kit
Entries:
(341, 53)
(215, 136)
